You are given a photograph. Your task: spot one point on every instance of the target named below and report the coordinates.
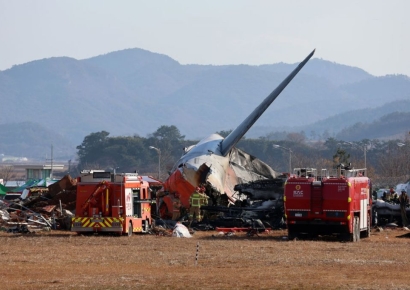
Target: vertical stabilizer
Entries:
(233, 138)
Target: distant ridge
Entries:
(135, 91)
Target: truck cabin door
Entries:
(136, 197)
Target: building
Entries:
(42, 171)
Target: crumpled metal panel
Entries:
(255, 168)
(266, 189)
(49, 208)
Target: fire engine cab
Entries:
(112, 203)
(328, 204)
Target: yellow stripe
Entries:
(107, 222)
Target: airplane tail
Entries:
(234, 137)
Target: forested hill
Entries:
(135, 91)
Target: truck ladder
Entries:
(316, 200)
(100, 188)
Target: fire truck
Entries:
(112, 203)
(328, 204)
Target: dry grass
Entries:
(62, 260)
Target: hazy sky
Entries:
(371, 34)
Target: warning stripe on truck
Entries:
(90, 222)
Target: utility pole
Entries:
(51, 163)
(290, 155)
(51, 171)
(159, 159)
(364, 151)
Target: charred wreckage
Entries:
(259, 206)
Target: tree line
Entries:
(387, 163)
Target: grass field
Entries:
(64, 260)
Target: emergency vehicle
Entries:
(328, 204)
(112, 203)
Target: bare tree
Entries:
(393, 165)
(296, 137)
(6, 172)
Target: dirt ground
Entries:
(64, 260)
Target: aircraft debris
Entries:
(181, 231)
(261, 209)
(161, 231)
(41, 208)
(387, 212)
(217, 164)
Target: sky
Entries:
(370, 34)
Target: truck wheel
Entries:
(354, 230)
(367, 232)
(374, 218)
(146, 226)
(292, 235)
(130, 229)
(352, 237)
(357, 229)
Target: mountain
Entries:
(335, 124)
(334, 73)
(67, 96)
(135, 91)
(33, 141)
(393, 125)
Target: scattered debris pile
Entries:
(15, 220)
(260, 210)
(385, 211)
(161, 231)
(170, 228)
(40, 208)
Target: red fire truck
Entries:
(326, 204)
(112, 203)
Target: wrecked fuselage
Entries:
(217, 164)
(269, 189)
(217, 173)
